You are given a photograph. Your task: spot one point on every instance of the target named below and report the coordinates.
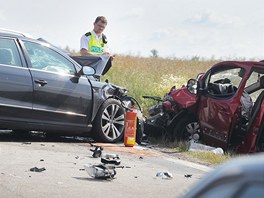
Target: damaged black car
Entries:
(44, 89)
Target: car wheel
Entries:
(109, 122)
(185, 129)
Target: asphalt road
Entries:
(64, 175)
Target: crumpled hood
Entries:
(101, 64)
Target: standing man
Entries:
(95, 42)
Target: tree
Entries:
(154, 53)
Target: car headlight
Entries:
(107, 91)
(113, 90)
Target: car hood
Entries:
(101, 64)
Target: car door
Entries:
(15, 83)
(219, 106)
(60, 97)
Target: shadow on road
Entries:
(27, 137)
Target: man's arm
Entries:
(84, 45)
(84, 52)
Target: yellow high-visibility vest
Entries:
(95, 47)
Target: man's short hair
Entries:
(102, 19)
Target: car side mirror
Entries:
(192, 86)
(89, 71)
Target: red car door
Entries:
(219, 105)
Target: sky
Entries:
(175, 28)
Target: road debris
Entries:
(36, 169)
(100, 171)
(188, 175)
(97, 151)
(164, 175)
(114, 160)
(26, 142)
(194, 146)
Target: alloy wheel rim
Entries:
(113, 121)
(191, 129)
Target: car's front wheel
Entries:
(186, 129)
(109, 122)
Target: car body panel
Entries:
(15, 81)
(62, 99)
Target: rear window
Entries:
(9, 54)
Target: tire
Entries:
(109, 122)
(185, 128)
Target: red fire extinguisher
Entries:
(130, 129)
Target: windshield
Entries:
(224, 82)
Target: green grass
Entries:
(152, 76)
(209, 157)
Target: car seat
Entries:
(255, 109)
(5, 57)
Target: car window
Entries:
(44, 58)
(9, 54)
(223, 83)
(253, 85)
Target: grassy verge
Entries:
(153, 76)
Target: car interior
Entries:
(5, 57)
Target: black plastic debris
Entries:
(112, 160)
(100, 171)
(188, 175)
(36, 169)
(97, 151)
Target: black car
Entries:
(44, 89)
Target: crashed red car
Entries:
(223, 108)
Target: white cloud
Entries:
(211, 18)
(133, 13)
(2, 16)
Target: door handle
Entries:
(41, 82)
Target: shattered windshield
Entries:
(224, 82)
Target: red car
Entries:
(223, 108)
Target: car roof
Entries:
(244, 64)
(13, 33)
